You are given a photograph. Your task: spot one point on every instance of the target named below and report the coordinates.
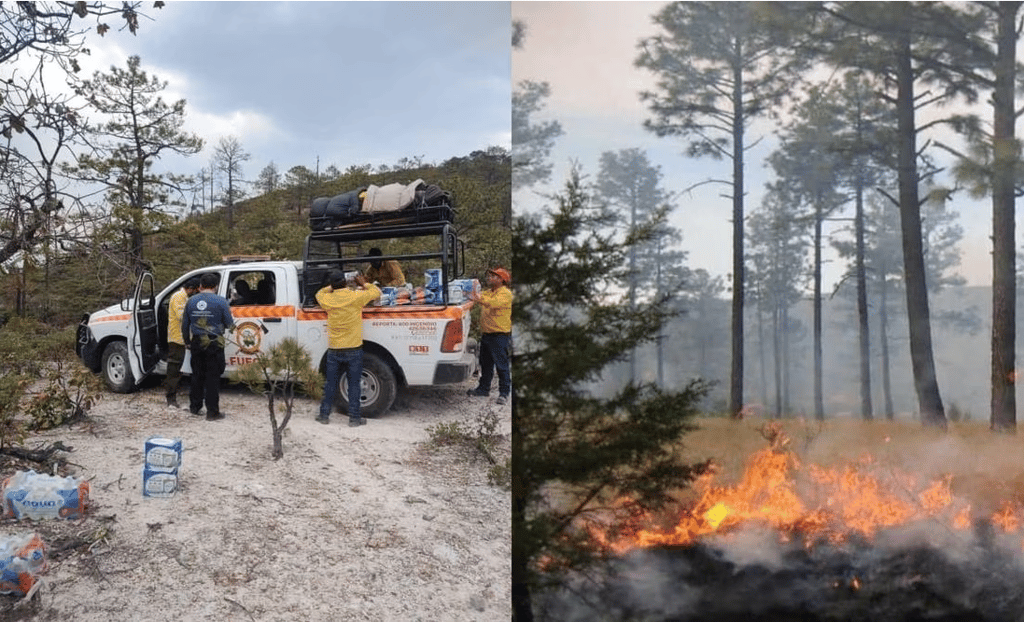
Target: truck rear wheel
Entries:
(378, 388)
(116, 370)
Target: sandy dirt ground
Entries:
(359, 523)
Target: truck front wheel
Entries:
(117, 373)
(378, 388)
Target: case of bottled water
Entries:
(159, 483)
(432, 279)
(22, 560)
(163, 454)
(160, 471)
(31, 495)
(387, 297)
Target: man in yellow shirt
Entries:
(496, 334)
(387, 273)
(344, 308)
(175, 342)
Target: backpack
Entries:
(431, 195)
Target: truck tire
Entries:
(379, 388)
(116, 370)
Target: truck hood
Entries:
(111, 311)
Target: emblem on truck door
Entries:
(249, 336)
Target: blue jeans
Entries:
(352, 360)
(494, 354)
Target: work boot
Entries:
(172, 401)
(478, 392)
(355, 423)
(322, 419)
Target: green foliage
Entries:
(582, 462)
(278, 374)
(99, 272)
(71, 391)
(41, 379)
(481, 438)
(12, 388)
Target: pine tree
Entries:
(138, 130)
(630, 184)
(590, 451)
(719, 67)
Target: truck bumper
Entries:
(86, 347)
(458, 371)
(448, 373)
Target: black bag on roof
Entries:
(431, 195)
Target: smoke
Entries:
(640, 585)
(919, 571)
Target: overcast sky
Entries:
(349, 82)
(585, 51)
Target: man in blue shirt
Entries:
(207, 316)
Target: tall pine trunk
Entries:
(777, 358)
(883, 337)
(918, 316)
(736, 384)
(819, 402)
(1004, 292)
(866, 408)
(762, 363)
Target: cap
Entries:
(502, 274)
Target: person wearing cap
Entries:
(344, 308)
(175, 342)
(386, 273)
(496, 334)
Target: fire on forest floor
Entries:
(855, 476)
(842, 519)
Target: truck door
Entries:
(143, 335)
(261, 306)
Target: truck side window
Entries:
(253, 288)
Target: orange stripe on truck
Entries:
(428, 312)
(124, 317)
(263, 311)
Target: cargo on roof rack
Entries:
(362, 220)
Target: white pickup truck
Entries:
(413, 344)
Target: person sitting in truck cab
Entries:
(265, 291)
(243, 293)
(387, 273)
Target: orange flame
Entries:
(814, 503)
